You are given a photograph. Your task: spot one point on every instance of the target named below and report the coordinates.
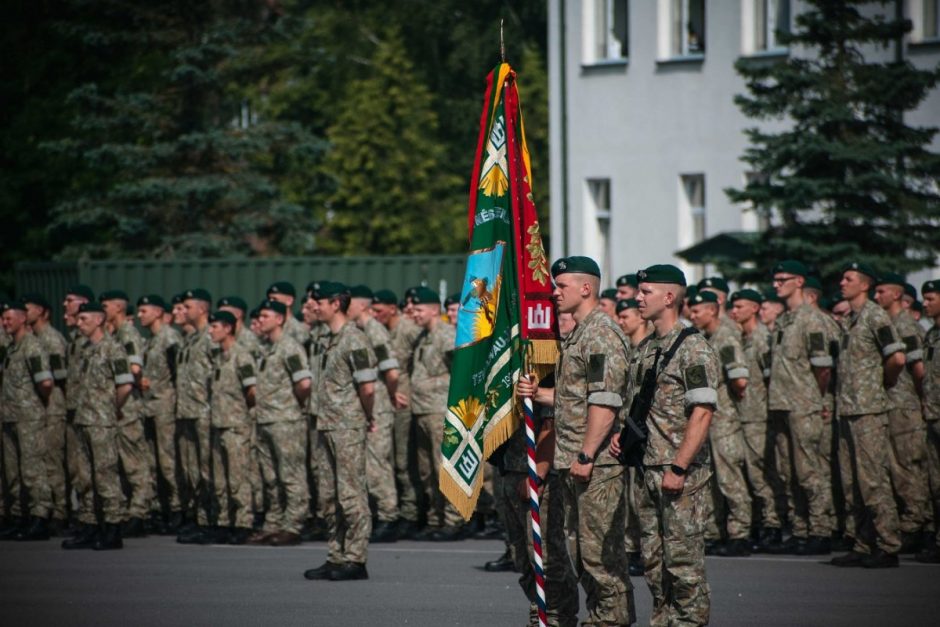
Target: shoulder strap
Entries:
(669, 354)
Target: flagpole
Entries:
(534, 517)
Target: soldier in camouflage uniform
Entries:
(800, 372)
(732, 501)
(380, 470)
(590, 388)
(133, 450)
(105, 385)
(906, 425)
(27, 386)
(283, 292)
(627, 287)
(672, 489)
(157, 385)
(316, 345)
(346, 406)
(281, 395)
(54, 345)
(931, 397)
(239, 308)
(871, 359)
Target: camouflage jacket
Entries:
(129, 337)
(297, 330)
(904, 395)
(283, 365)
(430, 372)
(234, 373)
(316, 353)
(54, 345)
(347, 362)
(160, 354)
(756, 345)
(867, 339)
(104, 367)
(799, 345)
(724, 341)
(380, 342)
(25, 365)
(193, 376)
(250, 342)
(73, 367)
(404, 337)
(932, 375)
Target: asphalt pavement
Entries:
(155, 581)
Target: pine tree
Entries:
(849, 178)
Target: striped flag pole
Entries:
(537, 564)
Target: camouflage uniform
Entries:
(430, 380)
(297, 330)
(230, 435)
(867, 339)
(673, 527)
(104, 366)
(159, 411)
(726, 437)
(796, 404)
(908, 432)
(193, 375)
(78, 478)
(380, 471)
(829, 445)
(255, 346)
(316, 347)
(341, 447)
(592, 371)
(753, 416)
(25, 365)
(281, 435)
(932, 414)
(53, 344)
(5, 505)
(133, 451)
(403, 339)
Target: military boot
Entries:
(37, 530)
(880, 559)
(501, 565)
(15, 526)
(320, 572)
(734, 548)
(84, 539)
(109, 538)
(384, 532)
(349, 571)
(133, 528)
(852, 559)
(814, 545)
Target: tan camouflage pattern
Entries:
(283, 365)
(868, 338)
(23, 460)
(193, 374)
(341, 488)
(25, 365)
(403, 338)
(430, 372)
(297, 330)
(282, 456)
(100, 459)
(931, 402)
(136, 463)
(233, 373)
(231, 465)
(160, 399)
(346, 363)
(104, 366)
(800, 343)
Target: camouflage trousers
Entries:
(778, 431)
(380, 470)
(160, 432)
(54, 437)
(311, 452)
(406, 476)
(909, 474)
(282, 457)
(865, 442)
(135, 459)
(729, 459)
(231, 466)
(103, 502)
(810, 497)
(24, 453)
(429, 435)
(561, 586)
(79, 481)
(763, 480)
(344, 501)
(631, 536)
(192, 446)
(594, 518)
(933, 472)
(674, 547)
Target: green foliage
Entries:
(848, 178)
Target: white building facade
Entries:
(645, 135)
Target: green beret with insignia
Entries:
(690, 292)
(931, 286)
(813, 283)
(16, 305)
(81, 290)
(714, 283)
(152, 299)
(35, 298)
(426, 296)
(197, 294)
(225, 317)
(411, 291)
(255, 313)
(628, 279)
(661, 273)
(892, 278)
(361, 291)
(232, 301)
(791, 266)
(627, 303)
(90, 307)
(177, 299)
(330, 289)
(702, 298)
(747, 294)
(112, 295)
(577, 264)
(770, 296)
(862, 268)
(910, 290)
(385, 297)
(609, 294)
(453, 299)
(282, 287)
(273, 305)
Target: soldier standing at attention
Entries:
(281, 395)
(672, 488)
(27, 387)
(283, 292)
(771, 309)
(871, 360)
(626, 287)
(608, 302)
(158, 385)
(105, 385)
(931, 396)
(346, 404)
(239, 308)
(590, 385)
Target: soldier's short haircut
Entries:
(343, 298)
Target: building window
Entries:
(606, 30)
(687, 28)
(692, 228)
(769, 17)
(599, 202)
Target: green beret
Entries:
(255, 313)
(931, 286)
(385, 297)
(747, 294)
(274, 306)
(90, 307)
(862, 268)
(197, 294)
(17, 305)
(282, 287)
(411, 292)
(910, 290)
(426, 296)
(714, 283)
(813, 283)
(628, 279)
(576, 263)
(225, 317)
(770, 296)
(152, 299)
(609, 294)
(232, 301)
(627, 303)
(177, 299)
(661, 273)
(112, 295)
(81, 290)
(917, 306)
(703, 297)
(329, 289)
(690, 292)
(791, 266)
(453, 299)
(36, 299)
(892, 278)
(361, 291)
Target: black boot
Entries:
(84, 539)
(214, 535)
(110, 538)
(930, 554)
(15, 526)
(157, 524)
(852, 559)
(491, 529)
(448, 534)
(814, 545)
(769, 539)
(239, 535)
(349, 571)
(320, 572)
(407, 529)
(57, 528)
(384, 532)
(133, 528)
(37, 530)
(711, 547)
(190, 535)
(174, 523)
(911, 542)
(881, 559)
(500, 565)
(734, 548)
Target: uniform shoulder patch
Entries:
(35, 364)
(817, 342)
(727, 355)
(56, 362)
(696, 377)
(246, 372)
(130, 348)
(294, 364)
(120, 366)
(381, 352)
(911, 343)
(360, 358)
(885, 335)
(596, 367)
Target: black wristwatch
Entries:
(584, 458)
(677, 470)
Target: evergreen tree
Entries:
(848, 178)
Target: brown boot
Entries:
(284, 538)
(260, 537)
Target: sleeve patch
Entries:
(696, 377)
(246, 372)
(120, 367)
(130, 348)
(596, 367)
(35, 364)
(381, 352)
(55, 362)
(817, 342)
(885, 336)
(911, 343)
(727, 355)
(294, 364)
(360, 358)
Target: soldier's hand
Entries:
(581, 472)
(527, 386)
(614, 448)
(144, 384)
(673, 483)
(371, 427)
(400, 401)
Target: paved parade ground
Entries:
(155, 581)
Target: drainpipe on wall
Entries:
(562, 74)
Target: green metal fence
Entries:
(50, 279)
